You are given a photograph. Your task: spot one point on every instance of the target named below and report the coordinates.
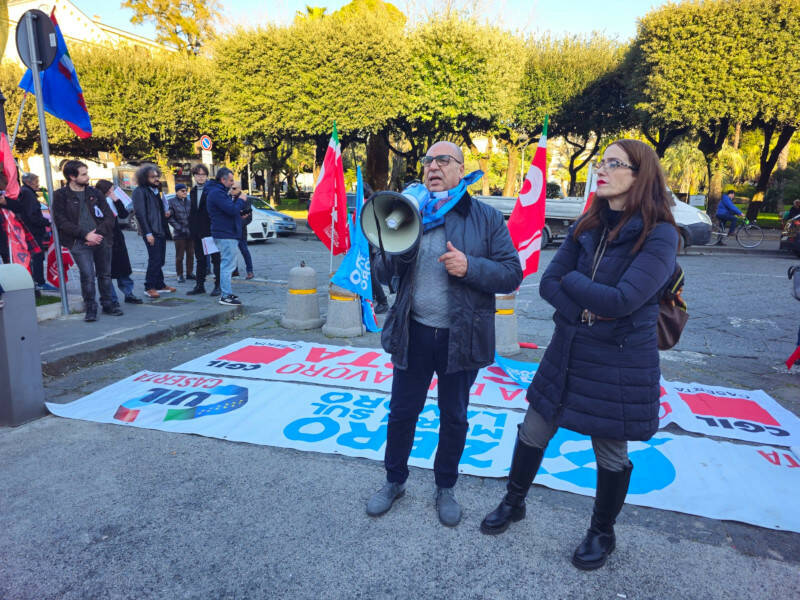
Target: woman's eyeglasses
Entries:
(612, 164)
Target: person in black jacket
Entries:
(199, 228)
(151, 213)
(600, 373)
(120, 262)
(442, 321)
(29, 211)
(86, 226)
(247, 218)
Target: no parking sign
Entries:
(205, 142)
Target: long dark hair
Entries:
(103, 186)
(647, 197)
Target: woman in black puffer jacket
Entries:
(600, 373)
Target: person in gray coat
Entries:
(179, 206)
(600, 373)
(442, 321)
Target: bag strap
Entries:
(599, 252)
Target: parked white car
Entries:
(560, 213)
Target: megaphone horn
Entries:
(391, 222)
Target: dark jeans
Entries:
(125, 285)
(156, 255)
(202, 264)
(729, 220)
(427, 353)
(248, 260)
(183, 247)
(37, 266)
(94, 262)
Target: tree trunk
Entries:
(510, 187)
(714, 169)
(769, 156)
(376, 172)
(710, 144)
(737, 136)
(321, 147)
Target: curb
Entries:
(60, 365)
(711, 250)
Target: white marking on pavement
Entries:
(106, 335)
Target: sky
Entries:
(615, 18)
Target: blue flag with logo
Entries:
(354, 273)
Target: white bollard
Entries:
(505, 325)
(302, 306)
(344, 314)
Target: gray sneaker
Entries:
(382, 500)
(448, 508)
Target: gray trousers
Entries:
(611, 455)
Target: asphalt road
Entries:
(102, 511)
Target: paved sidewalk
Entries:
(70, 342)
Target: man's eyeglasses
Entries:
(612, 164)
(442, 160)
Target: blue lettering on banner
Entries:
(654, 471)
(342, 415)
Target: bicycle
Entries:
(748, 234)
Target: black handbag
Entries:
(672, 311)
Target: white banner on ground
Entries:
(749, 415)
(289, 415)
(349, 367)
(721, 480)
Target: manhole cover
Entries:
(170, 302)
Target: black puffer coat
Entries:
(493, 268)
(603, 380)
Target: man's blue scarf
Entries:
(433, 206)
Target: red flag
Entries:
(327, 215)
(793, 358)
(18, 250)
(527, 219)
(591, 187)
(10, 167)
(52, 264)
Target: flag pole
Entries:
(588, 189)
(37, 86)
(19, 118)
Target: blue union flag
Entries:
(354, 273)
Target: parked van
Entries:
(560, 213)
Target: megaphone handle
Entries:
(380, 243)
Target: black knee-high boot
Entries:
(600, 541)
(524, 465)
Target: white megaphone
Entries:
(392, 221)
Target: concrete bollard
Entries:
(21, 388)
(505, 325)
(344, 314)
(302, 306)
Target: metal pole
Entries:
(37, 86)
(19, 118)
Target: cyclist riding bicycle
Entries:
(727, 213)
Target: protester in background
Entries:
(199, 228)
(29, 212)
(149, 208)
(226, 228)
(442, 321)
(600, 373)
(727, 213)
(179, 219)
(4, 256)
(120, 262)
(86, 226)
(247, 218)
(793, 211)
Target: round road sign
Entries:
(205, 142)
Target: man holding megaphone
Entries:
(450, 254)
